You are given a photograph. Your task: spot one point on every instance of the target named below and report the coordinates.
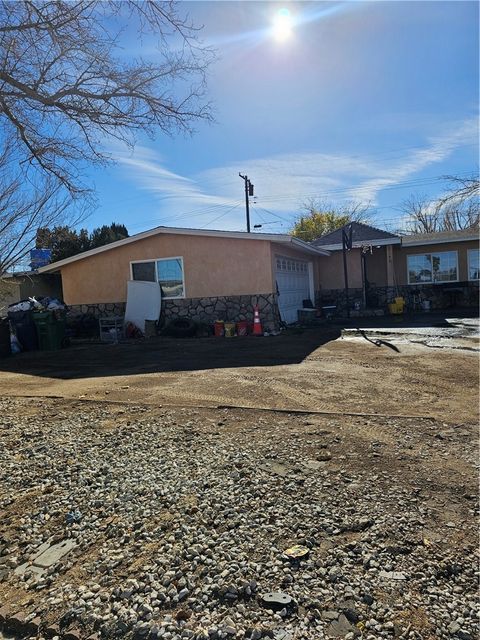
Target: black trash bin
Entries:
(5, 344)
(24, 328)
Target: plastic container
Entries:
(242, 328)
(229, 329)
(426, 305)
(24, 328)
(398, 306)
(219, 328)
(50, 329)
(395, 309)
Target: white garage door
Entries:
(293, 286)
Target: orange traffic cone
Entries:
(257, 325)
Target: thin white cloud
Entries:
(150, 174)
(437, 150)
(283, 181)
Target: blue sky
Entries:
(365, 101)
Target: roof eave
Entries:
(282, 238)
(309, 248)
(362, 243)
(419, 243)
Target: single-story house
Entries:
(204, 275)
(25, 284)
(442, 268)
(207, 275)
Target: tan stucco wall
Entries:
(213, 266)
(400, 257)
(330, 270)
(377, 267)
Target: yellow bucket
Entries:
(229, 329)
(395, 308)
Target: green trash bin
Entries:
(50, 329)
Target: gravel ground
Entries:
(181, 517)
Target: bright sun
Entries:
(282, 25)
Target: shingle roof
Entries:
(360, 233)
(441, 236)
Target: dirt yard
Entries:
(181, 471)
(312, 370)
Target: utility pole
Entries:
(248, 192)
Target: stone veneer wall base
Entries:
(441, 296)
(204, 310)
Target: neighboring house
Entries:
(441, 268)
(204, 275)
(370, 266)
(25, 284)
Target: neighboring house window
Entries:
(474, 264)
(168, 272)
(432, 267)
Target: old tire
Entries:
(182, 328)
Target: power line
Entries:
(193, 214)
(273, 213)
(229, 182)
(392, 220)
(262, 217)
(397, 185)
(221, 216)
(285, 197)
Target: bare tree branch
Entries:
(458, 208)
(62, 69)
(67, 86)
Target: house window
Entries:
(432, 267)
(474, 264)
(168, 272)
(170, 277)
(144, 271)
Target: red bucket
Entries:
(242, 328)
(219, 328)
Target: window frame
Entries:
(432, 281)
(155, 260)
(282, 264)
(469, 252)
(132, 262)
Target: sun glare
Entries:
(282, 25)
